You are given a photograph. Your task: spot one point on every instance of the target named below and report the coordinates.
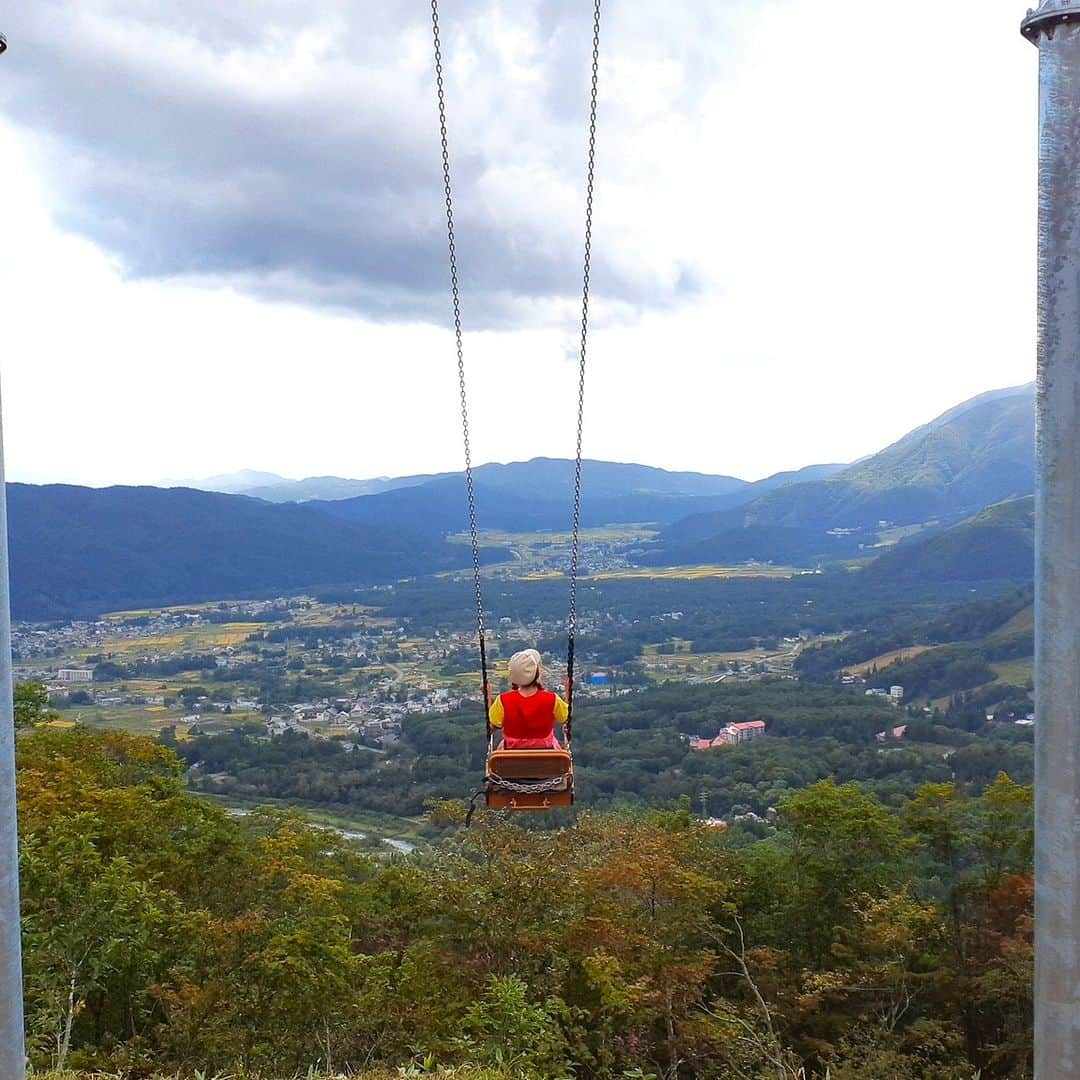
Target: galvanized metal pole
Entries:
(12, 1047)
(1055, 28)
(12, 1053)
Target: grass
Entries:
(895, 533)
(134, 719)
(1021, 623)
(883, 660)
(1016, 672)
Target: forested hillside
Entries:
(952, 654)
(852, 940)
(997, 543)
(80, 551)
(633, 752)
(978, 453)
(438, 507)
(714, 613)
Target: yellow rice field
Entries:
(190, 639)
(693, 573)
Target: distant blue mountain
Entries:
(553, 478)
(439, 507)
(537, 494)
(541, 478)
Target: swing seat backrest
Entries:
(529, 764)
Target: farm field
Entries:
(719, 665)
(203, 638)
(538, 555)
(149, 719)
(693, 573)
(608, 534)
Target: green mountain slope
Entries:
(954, 465)
(981, 648)
(978, 453)
(998, 543)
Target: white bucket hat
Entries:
(525, 667)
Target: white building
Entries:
(75, 675)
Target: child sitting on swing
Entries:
(528, 714)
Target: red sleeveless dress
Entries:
(529, 722)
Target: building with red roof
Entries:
(731, 735)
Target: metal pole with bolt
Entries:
(1055, 28)
(12, 1050)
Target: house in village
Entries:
(278, 725)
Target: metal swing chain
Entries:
(452, 248)
(575, 544)
(571, 624)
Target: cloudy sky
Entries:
(223, 239)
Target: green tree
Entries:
(32, 705)
(89, 925)
(836, 844)
(505, 1030)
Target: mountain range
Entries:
(270, 487)
(79, 551)
(534, 495)
(547, 479)
(979, 453)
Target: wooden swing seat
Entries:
(512, 773)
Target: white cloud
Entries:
(840, 219)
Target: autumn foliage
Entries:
(854, 940)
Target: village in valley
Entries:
(328, 670)
(206, 668)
